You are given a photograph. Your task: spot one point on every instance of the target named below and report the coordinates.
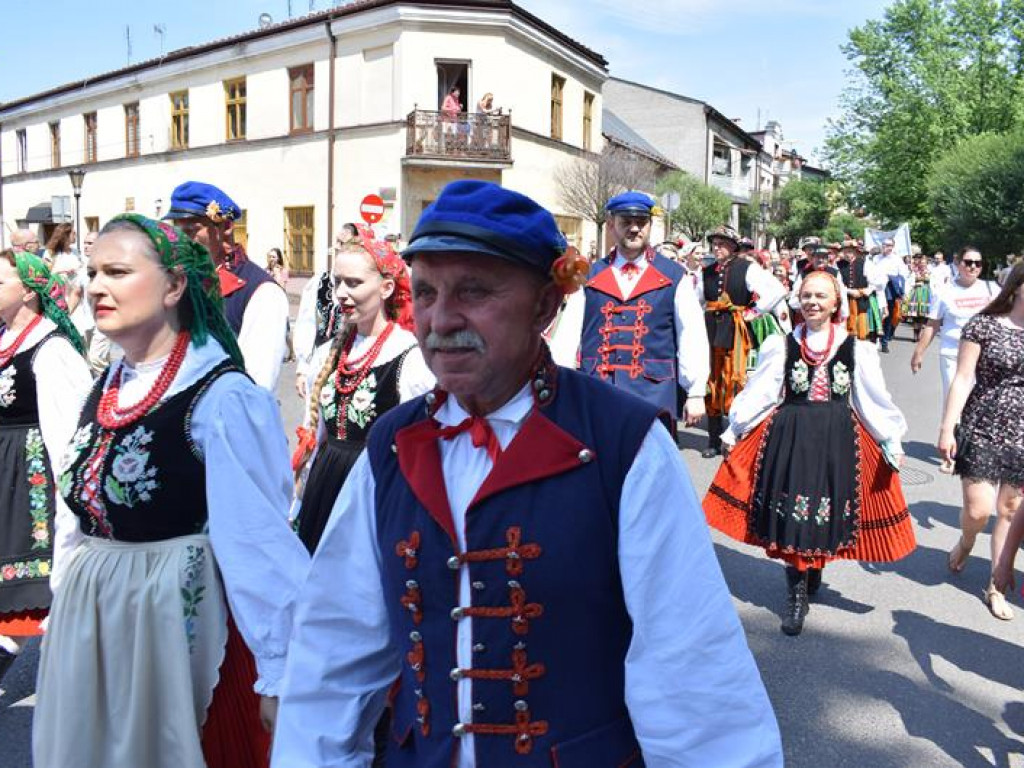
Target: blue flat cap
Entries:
(630, 202)
(480, 217)
(194, 198)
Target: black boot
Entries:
(6, 659)
(796, 606)
(813, 580)
(715, 429)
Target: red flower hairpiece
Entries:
(570, 271)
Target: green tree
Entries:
(700, 208)
(927, 75)
(976, 192)
(800, 208)
(844, 223)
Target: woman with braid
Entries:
(183, 567)
(370, 366)
(43, 378)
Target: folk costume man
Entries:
(255, 306)
(864, 320)
(511, 544)
(637, 324)
(738, 300)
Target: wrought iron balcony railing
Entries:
(464, 136)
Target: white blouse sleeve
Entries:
(694, 693)
(565, 340)
(264, 336)
(304, 328)
(872, 401)
(769, 290)
(762, 392)
(416, 378)
(248, 488)
(694, 356)
(63, 382)
(341, 662)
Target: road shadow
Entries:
(927, 513)
(692, 439)
(929, 567)
(923, 452)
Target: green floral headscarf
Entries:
(49, 287)
(179, 252)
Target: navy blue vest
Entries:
(549, 622)
(632, 342)
(236, 302)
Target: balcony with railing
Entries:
(464, 137)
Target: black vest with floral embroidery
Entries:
(142, 482)
(19, 402)
(804, 383)
(376, 395)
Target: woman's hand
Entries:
(947, 445)
(268, 712)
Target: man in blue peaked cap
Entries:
(508, 543)
(638, 323)
(255, 306)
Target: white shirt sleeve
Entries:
(340, 663)
(248, 488)
(794, 295)
(416, 378)
(769, 290)
(304, 328)
(762, 391)
(263, 338)
(691, 333)
(694, 693)
(871, 399)
(565, 341)
(63, 381)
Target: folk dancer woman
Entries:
(178, 479)
(813, 477)
(370, 366)
(43, 378)
(919, 293)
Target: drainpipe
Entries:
(330, 136)
(3, 221)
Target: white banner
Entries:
(899, 236)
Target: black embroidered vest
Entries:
(377, 395)
(834, 384)
(19, 400)
(142, 482)
(731, 279)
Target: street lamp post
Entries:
(77, 176)
(764, 221)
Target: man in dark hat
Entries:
(738, 299)
(637, 324)
(255, 306)
(864, 317)
(509, 543)
(821, 261)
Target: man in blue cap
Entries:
(638, 324)
(255, 306)
(509, 545)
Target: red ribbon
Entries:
(480, 433)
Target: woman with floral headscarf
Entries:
(43, 378)
(177, 478)
(814, 476)
(370, 366)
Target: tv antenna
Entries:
(160, 30)
(265, 20)
(128, 43)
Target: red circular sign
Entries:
(372, 209)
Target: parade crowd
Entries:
(485, 549)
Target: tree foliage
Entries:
(976, 193)
(843, 223)
(802, 207)
(927, 75)
(701, 207)
(584, 185)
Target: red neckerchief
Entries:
(229, 281)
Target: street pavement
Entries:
(899, 665)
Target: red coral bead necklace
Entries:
(811, 357)
(7, 354)
(352, 372)
(112, 417)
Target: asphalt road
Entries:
(899, 666)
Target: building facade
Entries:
(300, 121)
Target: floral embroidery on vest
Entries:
(80, 441)
(130, 480)
(25, 569)
(7, 393)
(799, 377)
(35, 453)
(840, 379)
(362, 408)
(193, 592)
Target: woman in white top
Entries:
(813, 477)
(43, 378)
(371, 365)
(185, 567)
(951, 307)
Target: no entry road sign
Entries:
(372, 209)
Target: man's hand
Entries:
(268, 712)
(300, 385)
(693, 411)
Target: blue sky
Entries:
(779, 56)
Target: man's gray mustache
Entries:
(457, 340)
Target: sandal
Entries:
(996, 602)
(958, 556)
